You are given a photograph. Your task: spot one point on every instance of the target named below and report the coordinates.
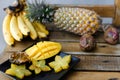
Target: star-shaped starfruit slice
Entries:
(18, 70)
(39, 66)
(60, 63)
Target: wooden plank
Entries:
(19, 46)
(70, 37)
(70, 43)
(73, 48)
(116, 20)
(102, 10)
(105, 49)
(80, 75)
(4, 56)
(3, 76)
(98, 62)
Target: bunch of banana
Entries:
(16, 26)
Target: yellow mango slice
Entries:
(32, 51)
(43, 50)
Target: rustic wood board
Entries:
(98, 63)
(80, 75)
(73, 48)
(70, 44)
(70, 37)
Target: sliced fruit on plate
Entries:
(60, 63)
(18, 70)
(39, 66)
(51, 75)
(32, 51)
(19, 58)
(43, 50)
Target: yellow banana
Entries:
(6, 30)
(40, 34)
(41, 27)
(33, 33)
(14, 29)
(22, 26)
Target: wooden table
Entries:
(70, 44)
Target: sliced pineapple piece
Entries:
(60, 63)
(18, 70)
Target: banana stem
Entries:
(17, 6)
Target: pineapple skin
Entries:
(77, 20)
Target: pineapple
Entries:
(76, 20)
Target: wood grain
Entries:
(70, 37)
(70, 45)
(116, 20)
(80, 75)
(98, 63)
(73, 48)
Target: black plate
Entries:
(44, 75)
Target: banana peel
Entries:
(6, 30)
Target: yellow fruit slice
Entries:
(60, 63)
(32, 51)
(43, 50)
(39, 66)
(18, 70)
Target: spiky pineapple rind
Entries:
(40, 11)
(77, 20)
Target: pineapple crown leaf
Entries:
(39, 11)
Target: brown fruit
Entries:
(111, 35)
(19, 58)
(87, 42)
